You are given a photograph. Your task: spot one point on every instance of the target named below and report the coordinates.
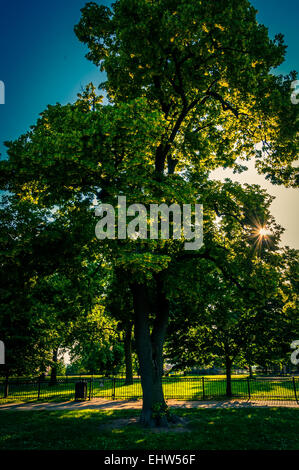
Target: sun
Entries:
(263, 232)
(261, 237)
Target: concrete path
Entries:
(102, 404)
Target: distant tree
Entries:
(120, 305)
(98, 349)
(22, 239)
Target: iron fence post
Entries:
(203, 388)
(295, 391)
(113, 388)
(90, 387)
(6, 387)
(38, 389)
(248, 386)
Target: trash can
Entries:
(80, 390)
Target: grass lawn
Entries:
(206, 429)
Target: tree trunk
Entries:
(228, 370)
(250, 371)
(144, 349)
(128, 354)
(157, 338)
(149, 351)
(53, 378)
(42, 376)
(6, 384)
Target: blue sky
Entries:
(42, 62)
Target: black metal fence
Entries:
(181, 388)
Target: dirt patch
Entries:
(113, 424)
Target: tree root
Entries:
(159, 416)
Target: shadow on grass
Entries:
(216, 429)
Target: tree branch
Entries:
(219, 214)
(225, 104)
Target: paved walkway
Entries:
(102, 404)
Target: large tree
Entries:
(191, 89)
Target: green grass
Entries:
(211, 429)
(187, 388)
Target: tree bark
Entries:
(6, 384)
(144, 349)
(42, 376)
(149, 347)
(228, 370)
(128, 354)
(157, 338)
